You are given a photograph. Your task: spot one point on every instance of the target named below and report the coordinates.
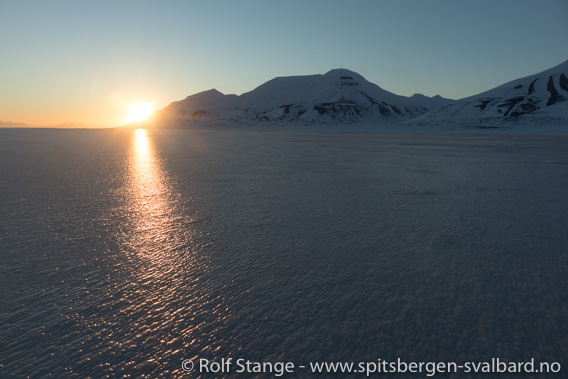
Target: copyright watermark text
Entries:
(380, 366)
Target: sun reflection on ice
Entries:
(168, 302)
(148, 183)
(151, 199)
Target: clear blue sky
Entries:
(87, 61)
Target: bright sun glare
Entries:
(139, 112)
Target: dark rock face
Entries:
(563, 82)
(531, 87)
(510, 103)
(198, 114)
(348, 81)
(340, 109)
(523, 108)
(555, 97)
(384, 110)
(483, 104)
(519, 105)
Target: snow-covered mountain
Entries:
(536, 99)
(345, 96)
(430, 102)
(339, 95)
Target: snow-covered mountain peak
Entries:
(430, 102)
(422, 96)
(343, 74)
(211, 94)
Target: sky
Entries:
(89, 61)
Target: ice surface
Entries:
(126, 252)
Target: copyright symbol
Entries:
(187, 365)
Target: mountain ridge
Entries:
(338, 95)
(524, 99)
(344, 96)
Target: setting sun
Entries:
(139, 112)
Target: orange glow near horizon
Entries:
(139, 112)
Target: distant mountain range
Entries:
(65, 125)
(341, 96)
